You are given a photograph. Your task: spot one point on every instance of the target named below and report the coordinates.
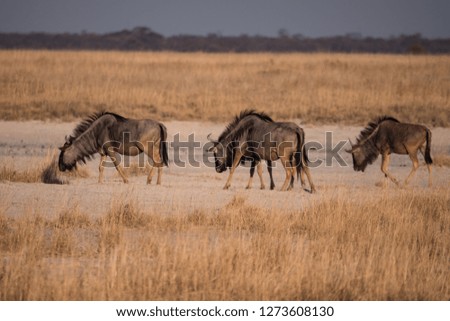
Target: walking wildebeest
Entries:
(387, 135)
(256, 136)
(108, 134)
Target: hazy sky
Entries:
(311, 18)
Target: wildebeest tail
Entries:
(427, 155)
(163, 147)
(301, 158)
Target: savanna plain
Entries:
(359, 237)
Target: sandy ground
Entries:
(25, 144)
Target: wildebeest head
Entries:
(362, 155)
(220, 155)
(65, 162)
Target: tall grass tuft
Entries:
(50, 173)
(45, 171)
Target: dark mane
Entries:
(87, 122)
(371, 127)
(245, 113)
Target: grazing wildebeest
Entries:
(256, 136)
(387, 135)
(108, 134)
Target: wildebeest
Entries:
(253, 135)
(110, 134)
(387, 135)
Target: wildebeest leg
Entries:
(415, 165)
(287, 167)
(308, 175)
(150, 175)
(293, 174)
(269, 169)
(152, 151)
(302, 177)
(260, 170)
(148, 150)
(101, 168)
(158, 180)
(384, 167)
(116, 162)
(430, 182)
(237, 159)
(252, 172)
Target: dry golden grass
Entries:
(37, 171)
(316, 88)
(339, 249)
(30, 175)
(45, 171)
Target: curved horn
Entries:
(210, 139)
(351, 144)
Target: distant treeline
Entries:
(142, 38)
